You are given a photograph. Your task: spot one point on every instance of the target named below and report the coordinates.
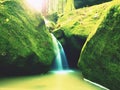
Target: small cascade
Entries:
(63, 57)
(60, 62)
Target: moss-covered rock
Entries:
(74, 28)
(25, 43)
(100, 57)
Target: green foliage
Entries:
(69, 6)
(24, 41)
(53, 17)
(100, 57)
(84, 3)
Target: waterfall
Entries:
(60, 62)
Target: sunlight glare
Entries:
(36, 4)
(62, 71)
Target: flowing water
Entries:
(57, 79)
(60, 62)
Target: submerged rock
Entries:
(25, 44)
(100, 57)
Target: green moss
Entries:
(100, 57)
(82, 21)
(76, 27)
(23, 34)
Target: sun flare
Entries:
(35, 4)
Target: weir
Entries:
(60, 62)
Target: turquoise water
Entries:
(60, 62)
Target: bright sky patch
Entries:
(36, 4)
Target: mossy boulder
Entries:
(74, 27)
(25, 43)
(100, 58)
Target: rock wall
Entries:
(100, 58)
(25, 44)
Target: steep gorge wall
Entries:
(100, 58)
(25, 44)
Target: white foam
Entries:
(62, 71)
